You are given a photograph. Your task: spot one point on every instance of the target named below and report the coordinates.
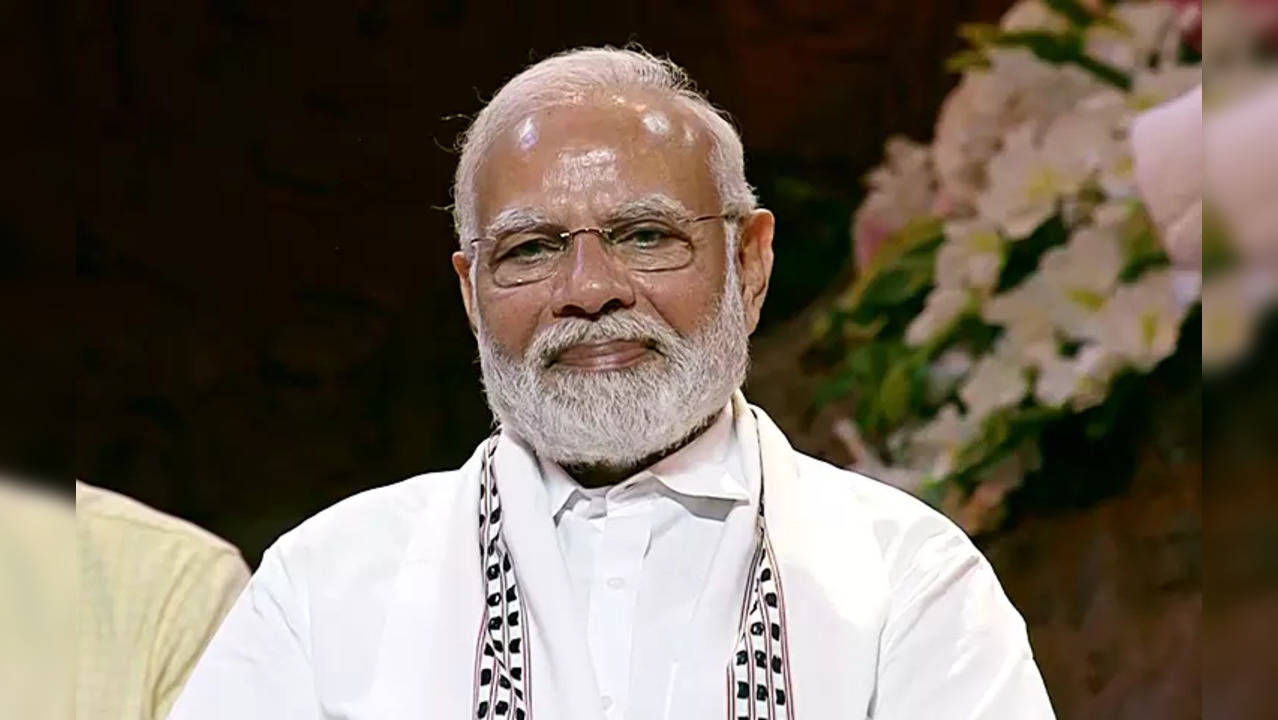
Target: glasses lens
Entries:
(652, 247)
(525, 258)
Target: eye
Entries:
(531, 249)
(646, 237)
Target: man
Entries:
(153, 589)
(637, 541)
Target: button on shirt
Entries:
(638, 555)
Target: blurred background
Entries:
(267, 320)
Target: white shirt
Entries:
(638, 555)
(371, 610)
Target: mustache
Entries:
(629, 325)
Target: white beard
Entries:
(617, 418)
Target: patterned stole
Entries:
(758, 675)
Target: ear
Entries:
(461, 265)
(754, 258)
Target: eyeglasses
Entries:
(646, 245)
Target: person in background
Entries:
(37, 600)
(153, 590)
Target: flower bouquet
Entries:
(1013, 292)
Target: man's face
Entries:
(580, 165)
(595, 337)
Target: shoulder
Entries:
(892, 510)
(345, 560)
(104, 517)
(910, 535)
(369, 532)
(388, 510)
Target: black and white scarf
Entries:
(758, 676)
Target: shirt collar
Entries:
(709, 467)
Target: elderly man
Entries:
(636, 541)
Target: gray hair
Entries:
(583, 72)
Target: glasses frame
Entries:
(606, 233)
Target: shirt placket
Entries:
(627, 526)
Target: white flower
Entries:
(900, 190)
(1078, 278)
(1033, 90)
(1113, 214)
(943, 307)
(1082, 380)
(867, 462)
(1022, 312)
(1017, 88)
(967, 135)
(1140, 322)
(998, 381)
(971, 256)
(1141, 31)
(1101, 127)
(1032, 15)
(1028, 178)
(945, 372)
(937, 443)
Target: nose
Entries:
(594, 284)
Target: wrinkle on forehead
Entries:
(578, 170)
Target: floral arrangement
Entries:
(1010, 277)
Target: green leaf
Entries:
(1141, 249)
(1104, 71)
(933, 490)
(834, 388)
(895, 393)
(1053, 48)
(1023, 256)
(979, 34)
(863, 332)
(896, 285)
(993, 436)
(920, 234)
(965, 60)
(1061, 49)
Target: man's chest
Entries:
(639, 575)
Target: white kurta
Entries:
(371, 609)
(639, 555)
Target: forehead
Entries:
(576, 161)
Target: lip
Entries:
(611, 355)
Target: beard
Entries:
(618, 418)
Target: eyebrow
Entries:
(517, 219)
(648, 206)
(527, 218)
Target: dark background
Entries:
(270, 321)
